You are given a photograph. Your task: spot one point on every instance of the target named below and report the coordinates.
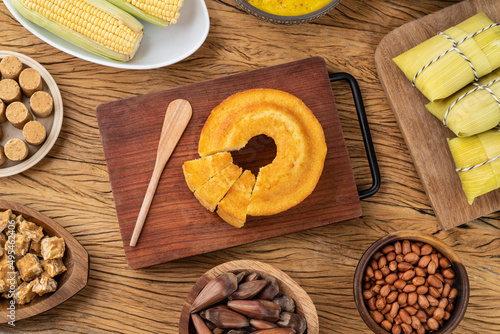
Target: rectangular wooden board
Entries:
(178, 225)
(424, 134)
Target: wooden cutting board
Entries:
(424, 134)
(178, 225)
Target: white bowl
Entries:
(161, 46)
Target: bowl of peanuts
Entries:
(408, 282)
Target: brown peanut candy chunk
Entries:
(24, 293)
(34, 133)
(44, 284)
(52, 248)
(30, 81)
(53, 267)
(30, 230)
(9, 91)
(19, 244)
(11, 67)
(41, 104)
(18, 114)
(16, 149)
(29, 267)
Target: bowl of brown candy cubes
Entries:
(409, 282)
(41, 264)
(244, 296)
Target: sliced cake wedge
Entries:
(199, 171)
(233, 207)
(210, 193)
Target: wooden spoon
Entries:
(176, 120)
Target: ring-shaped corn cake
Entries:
(299, 138)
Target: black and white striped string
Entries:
(455, 48)
(478, 87)
(479, 165)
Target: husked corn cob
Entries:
(94, 25)
(158, 12)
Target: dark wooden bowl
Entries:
(303, 303)
(286, 20)
(76, 260)
(461, 279)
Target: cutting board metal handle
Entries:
(365, 132)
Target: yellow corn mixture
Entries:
(80, 16)
(289, 7)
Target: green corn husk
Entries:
(59, 19)
(472, 151)
(159, 12)
(475, 113)
(452, 72)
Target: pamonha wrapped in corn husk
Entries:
(477, 159)
(473, 109)
(438, 70)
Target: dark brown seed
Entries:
(200, 325)
(378, 274)
(369, 272)
(432, 301)
(257, 309)
(434, 292)
(386, 309)
(396, 329)
(270, 291)
(251, 277)
(377, 255)
(286, 303)
(224, 318)
(421, 316)
(406, 328)
(215, 291)
(276, 331)
(382, 262)
(293, 320)
(402, 298)
(248, 290)
(240, 276)
(261, 324)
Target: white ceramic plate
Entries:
(52, 123)
(161, 46)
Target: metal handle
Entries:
(365, 132)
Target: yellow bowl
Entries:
(286, 20)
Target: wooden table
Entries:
(71, 184)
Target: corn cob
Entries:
(94, 25)
(158, 12)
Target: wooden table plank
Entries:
(71, 185)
